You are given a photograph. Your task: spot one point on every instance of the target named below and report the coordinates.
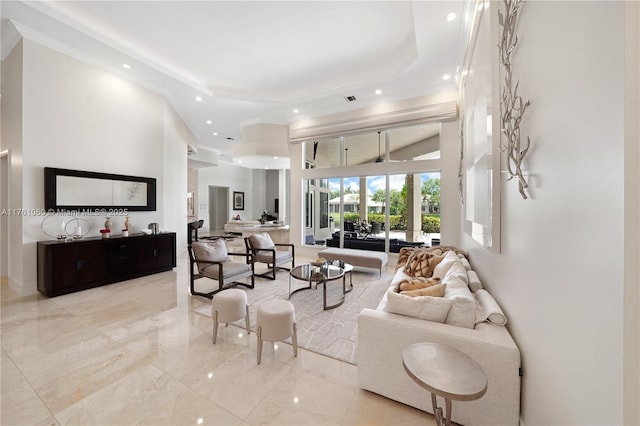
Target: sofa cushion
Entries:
(465, 262)
(399, 277)
(463, 304)
(455, 270)
(443, 266)
(433, 291)
(424, 307)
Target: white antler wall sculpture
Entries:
(512, 107)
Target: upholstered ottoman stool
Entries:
(228, 306)
(275, 322)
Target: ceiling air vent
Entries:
(350, 98)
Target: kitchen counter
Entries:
(279, 233)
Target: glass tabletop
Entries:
(309, 272)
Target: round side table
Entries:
(446, 372)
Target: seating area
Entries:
(361, 258)
(353, 241)
(263, 250)
(209, 258)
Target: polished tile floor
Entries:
(135, 353)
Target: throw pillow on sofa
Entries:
(421, 263)
(433, 291)
(423, 307)
(474, 282)
(418, 283)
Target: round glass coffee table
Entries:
(321, 275)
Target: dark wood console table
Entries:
(66, 267)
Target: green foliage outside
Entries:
(431, 191)
(430, 222)
(398, 207)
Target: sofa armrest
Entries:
(382, 336)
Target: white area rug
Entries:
(332, 332)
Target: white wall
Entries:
(173, 179)
(559, 277)
(12, 141)
(76, 116)
(632, 215)
(450, 202)
(234, 177)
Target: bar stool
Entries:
(228, 306)
(275, 322)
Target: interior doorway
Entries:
(218, 208)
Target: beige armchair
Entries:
(262, 249)
(214, 262)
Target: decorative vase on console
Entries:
(127, 223)
(107, 224)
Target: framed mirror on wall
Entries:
(66, 189)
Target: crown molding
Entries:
(50, 10)
(10, 38)
(399, 114)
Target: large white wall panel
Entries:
(559, 277)
(77, 116)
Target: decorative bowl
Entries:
(318, 261)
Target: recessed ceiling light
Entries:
(215, 133)
(451, 16)
(378, 92)
(446, 77)
(208, 121)
(126, 66)
(239, 161)
(198, 99)
(295, 111)
(275, 157)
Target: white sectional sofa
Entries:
(383, 335)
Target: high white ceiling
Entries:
(259, 60)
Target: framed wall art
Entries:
(238, 200)
(480, 119)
